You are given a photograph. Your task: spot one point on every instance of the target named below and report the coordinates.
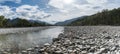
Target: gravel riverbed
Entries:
(81, 40)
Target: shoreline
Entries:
(82, 40)
(57, 30)
(85, 40)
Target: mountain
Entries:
(68, 21)
(18, 22)
(105, 17)
(41, 22)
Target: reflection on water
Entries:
(26, 40)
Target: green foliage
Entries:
(1, 20)
(19, 23)
(106, 17)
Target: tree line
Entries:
(105, 17)
(18, 22)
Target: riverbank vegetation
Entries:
(18, 22)
(106, 17)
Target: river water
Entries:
(26, 40)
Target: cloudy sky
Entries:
(53, 11)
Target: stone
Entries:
(55, 39)
(29, 49)
(104, 31)
(58, 52)
(113, 48)
(84, 52)
(24, 52)
(36, 46)
(102, 50)
(46, 44)
(108, 37)
(41, 50)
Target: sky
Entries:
(53, 11)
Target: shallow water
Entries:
(26, 40)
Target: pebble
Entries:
(81, 40)
(46, 44)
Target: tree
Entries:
(106, 17)
(1, 21)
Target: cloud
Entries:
(24, 11)
(57, 10)
(97, 1)
(16, 1)
(62, 6)
(6, 11)
(71, 10)
(78, 8)
(31, 12)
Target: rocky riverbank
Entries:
(82, 40)
(86, 40)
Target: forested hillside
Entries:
(19, 22)
(106, 17)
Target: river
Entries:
(20, 41)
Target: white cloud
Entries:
(24, 11)
(97, 1)
(77, 8)
(64, 9)
(27, 8)
(16, 1)
(62, 6)
(69, 11)
(6, 11)
(31, 12)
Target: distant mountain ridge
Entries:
(18, 22)
(68, 21)
(106, 17)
